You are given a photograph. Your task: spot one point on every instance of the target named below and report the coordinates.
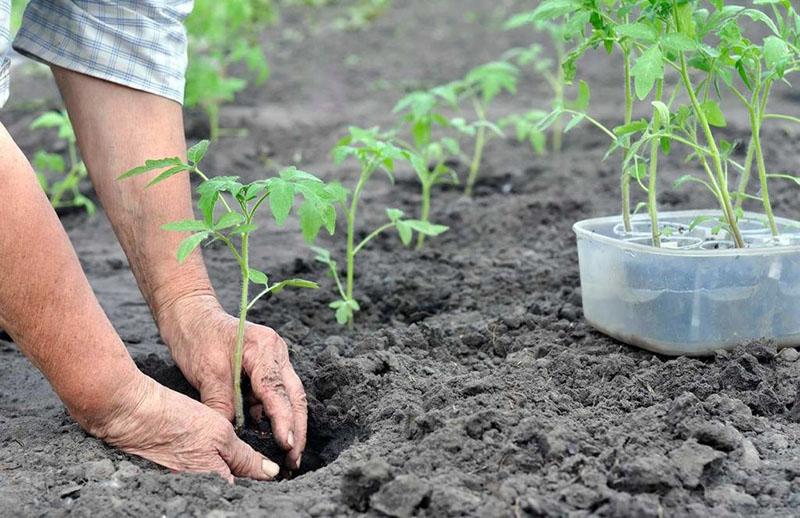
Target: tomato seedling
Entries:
(240, 203)
(429, 156)
(373, 151)
(550, 70)
(480, 87)
(65, 191)
(221, 35)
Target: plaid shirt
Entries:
(137, 43)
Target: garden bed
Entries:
(470, 384)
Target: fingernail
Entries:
(290, 439)
(269, 468)
(299, 459)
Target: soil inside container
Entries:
(470, 385)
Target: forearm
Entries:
(46, 303)
(119, 128)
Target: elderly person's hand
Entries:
(202, 337)
(170, 429)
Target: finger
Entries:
(266, 379)
(222, 469)
(297, 397)
(245, 462)
(218, 396)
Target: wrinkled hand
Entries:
(170, 429)
(202, 337)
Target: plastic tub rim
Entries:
(584, 233)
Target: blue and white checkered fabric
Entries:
(137, 43)
(5, 62)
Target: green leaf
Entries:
(310, 221)
(577, 119)
(258, 277)
(172, 171)
(186, 225)
(281, 199)
(677, 42)
(198, 151)
(394, 214)
(663, 114)
(647, 70)
(633, 127)
(405, 232)
(344, 314)
(52, 119)
(425, 227)
(206, 203)
(188, 245)
(776, 54)
(151, 165)
(714, 114)
(228, 220)
(293, 283)
(637, 31)
(322, 255)
(44, 161)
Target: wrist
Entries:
(183, 317)
(114, 392)
(188, 284)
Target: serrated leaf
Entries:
(677, 42)
(228, 220)
(310, 221)
(637, 31)
(187, 225)
(172, 171)
(281, 199)
(647, 70)
(150, 165)
(188, 245)
(198, 151)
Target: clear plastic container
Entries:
(695, 294)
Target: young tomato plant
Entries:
(550, 70)
(373, 151)
(65, 191)
(239, 203)
(480, 87)
(429, 156)
(221, 35)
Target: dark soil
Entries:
(470, 386)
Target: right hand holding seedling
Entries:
(175, 431)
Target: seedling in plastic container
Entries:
(235, 227)
(374, 152)
(63, 192)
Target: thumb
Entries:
(244, 462)
(219, 397)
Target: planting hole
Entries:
(328, 435)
